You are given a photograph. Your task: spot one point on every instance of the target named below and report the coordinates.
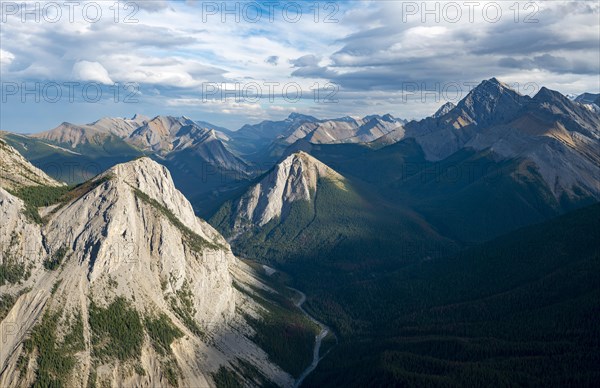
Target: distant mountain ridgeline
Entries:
(432, 248)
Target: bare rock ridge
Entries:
(559, 136)
(293, 179)
(127, 242)
(447, 107)
(16, 171)
(332, 131)
(161, 135)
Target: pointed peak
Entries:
(549, 95)
(490, 102)
(491, 90)
(294, 178)
(444, 109)
(299, 116)
(310, 161)
(586, 98)
(295, 155)
(545, 91)
(493, 86)
(139, 117)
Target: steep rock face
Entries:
(293, 179)
(490, 103)
(551, 106)
(20, 239)
(129, 236)
(158, 134)
(16, 171)
(22, 249)
(115, 215)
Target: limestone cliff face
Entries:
(129, 233)
(293, 179)
(135, 225)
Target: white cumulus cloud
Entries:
(91, 71)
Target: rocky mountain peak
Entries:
(300, 117)
(155, 181)
(548, 95)
(491, 102)
(447, 107)
(388, 117)
(295, 178)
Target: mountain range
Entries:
(460, 249)
(120, 283)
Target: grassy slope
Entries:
(520, 310)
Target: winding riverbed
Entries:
(318, 339)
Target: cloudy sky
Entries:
(247, 61)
